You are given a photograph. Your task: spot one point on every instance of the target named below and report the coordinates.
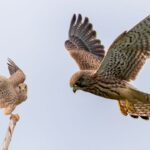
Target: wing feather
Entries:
(128, 53)
(17, 75)
(83, 45)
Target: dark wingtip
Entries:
(79, 19)
(86, 20)
(10, 62)
(80, 16)
(82, 36)
(134, 116)
(90, 26)
(94, 34)
(145, 117)
(73, 19)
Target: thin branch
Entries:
(12, 123)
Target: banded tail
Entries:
(138, 106)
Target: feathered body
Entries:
(109, 75)
(13, 90)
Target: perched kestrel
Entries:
(13, 90)
(109, 76)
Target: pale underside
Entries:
(123, 61)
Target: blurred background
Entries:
(32, 33)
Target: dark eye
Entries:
(79, 83)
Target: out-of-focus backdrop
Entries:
(32, 33)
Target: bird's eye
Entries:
(78, 83)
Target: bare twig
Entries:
(12, 124)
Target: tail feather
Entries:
(135, 110)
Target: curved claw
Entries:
(15, 117)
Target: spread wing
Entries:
(16, 74)
(128, 53)
(83, 45)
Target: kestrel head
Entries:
(22, 92)
(81, 80)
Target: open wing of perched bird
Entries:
(83, 45)
(111, 74)
(16, 74)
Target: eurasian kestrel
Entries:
(13, 90)
(109, 76)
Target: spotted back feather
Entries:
(128, 53)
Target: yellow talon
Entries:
(123, 108)
(130, 106)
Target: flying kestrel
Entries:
(109, 75)
(13, 90)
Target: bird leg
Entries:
(126, 107)
(15, 117)
(122, 106)
(130, 106)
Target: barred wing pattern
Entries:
(83, 45)
(128, 53)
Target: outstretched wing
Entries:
(83, 45)
(16, 74)
(135, 110)
(128, 53)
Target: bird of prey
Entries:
(13, 90)
(108, 75)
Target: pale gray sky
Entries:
(32, 33)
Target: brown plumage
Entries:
(13, 90)
(109, 76)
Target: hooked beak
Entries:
(75, 88)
